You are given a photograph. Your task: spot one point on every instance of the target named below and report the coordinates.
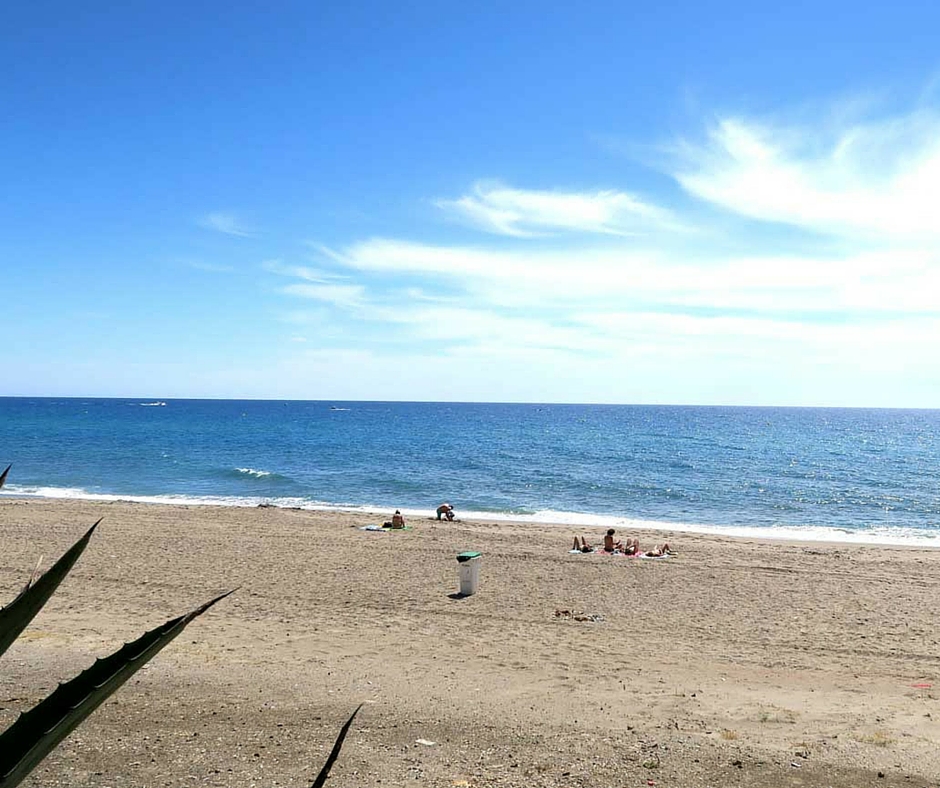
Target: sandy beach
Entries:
(735, 662)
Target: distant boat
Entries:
(333, 407)
(152, 404)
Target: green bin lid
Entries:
(467, 556)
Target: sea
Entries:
(850, 475)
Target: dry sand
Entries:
(736, 662)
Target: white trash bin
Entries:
(469, 565)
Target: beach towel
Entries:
(617, 553)
(383, 528)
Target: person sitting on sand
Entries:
(609, 544)
(629, 547)
(445, 510)
(397, 520)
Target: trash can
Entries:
(469, 565)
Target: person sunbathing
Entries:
(584, 547)
(397, 520)
(627, 547)
(631, 546)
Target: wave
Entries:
(872, 535)
(256, 473)
(79, 494)
(249, 475)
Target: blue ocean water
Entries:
(847, 474)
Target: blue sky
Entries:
(659, 203)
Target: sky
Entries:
(672, 203)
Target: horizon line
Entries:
(474, 402)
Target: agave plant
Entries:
(38, 731)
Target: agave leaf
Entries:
(334, 753)
(37, 732)
(32, 576)
(3, 476)
(16, 616)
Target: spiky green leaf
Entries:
(37, 732)
(334, 753)
(16, 616)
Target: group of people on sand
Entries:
(611, 545)
(444, 512)
(626, 547)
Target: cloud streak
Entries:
(875, 180)
(225, 223)
(529, 213)
(822, 268)
(891, 280)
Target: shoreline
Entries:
(809, 534)
(724, 664)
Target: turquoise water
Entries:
(855, 475)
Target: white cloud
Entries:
(885, 280)
(338, 295)
(300, 272)
(318, 285)
(525, 213)
(648, 358)
(743, 313)
(874, 180)
(225, 223)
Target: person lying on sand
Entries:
(629, 547)
(584, 547)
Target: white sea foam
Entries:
(253, 472)
(795, 533)
(909, 537)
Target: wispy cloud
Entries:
(874, 180)
(304, 272)
(633, 306)
(225, 223)
(525, 213)
(339, 295)
(317, 285)
(881, 280)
